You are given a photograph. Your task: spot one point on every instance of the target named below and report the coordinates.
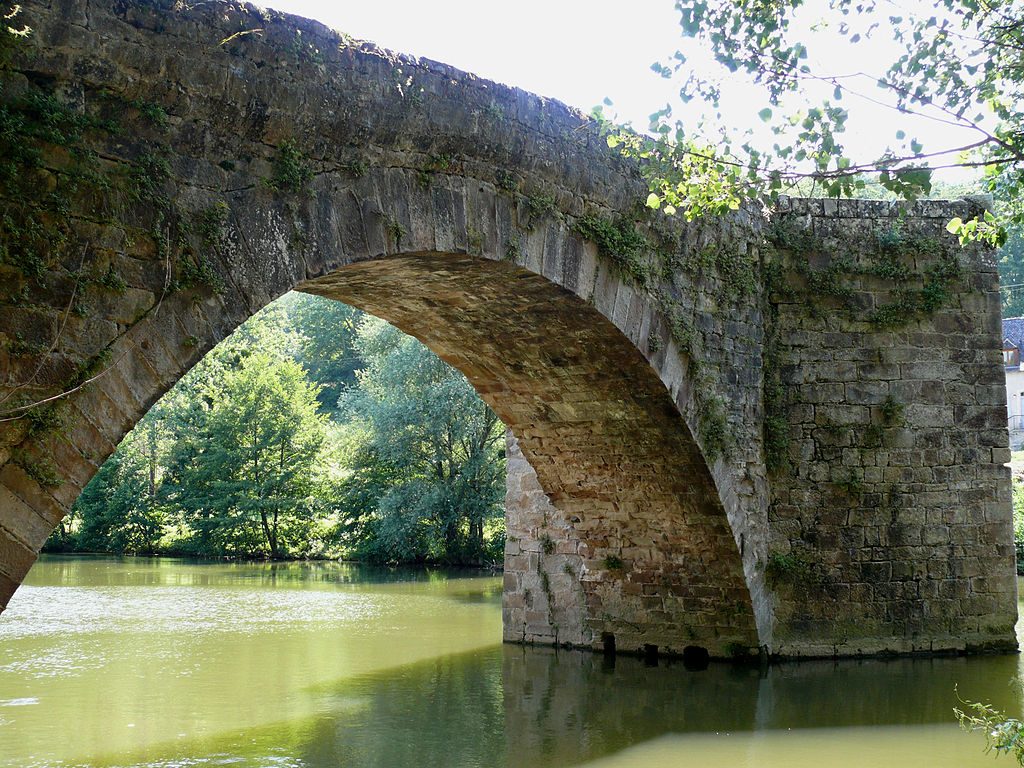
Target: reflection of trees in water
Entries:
(113, 571)
(524, 707)
(441, 712)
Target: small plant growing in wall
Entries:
(873, 435)
(538, 206)
(42, 470)
(435, 164)
(613, 563)
(545, 583)
(210, 223)
(547, 544)
(45, 418)
(291, 169)
(792, 568)
(395, 230)
(147, 177)
(198, 273)
(506, 180)
(852, 486)
(512, 250)
(618, 241)
(154, 113)
(304, 50)
(713, 426)
(892, 411)
(356, 168)
(112, 281)
(494, 112)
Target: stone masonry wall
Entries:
(542, 600)
(890, 522)
(656, 561)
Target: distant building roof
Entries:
(1013, 331)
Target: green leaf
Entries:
(765, 114)
(654, 200)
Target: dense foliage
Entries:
(425, 478)
(1011, 273)
(313, 430)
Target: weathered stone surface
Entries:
(606, 445)
(639, 503)
(896, 448)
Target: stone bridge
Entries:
(781, 432)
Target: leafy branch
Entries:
(1003, 735)
(961, 65)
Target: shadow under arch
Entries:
(647, 554)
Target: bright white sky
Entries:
(577, 51)
(581, 51)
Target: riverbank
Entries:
(187, 557)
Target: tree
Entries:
(1011, 273)
(240, 458)
(249, 479)
(119, 509)
(429, 472)
(957, 63)
(324, 332)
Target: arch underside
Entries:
(645, 547)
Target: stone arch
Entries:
(450, 206)
(634, 543)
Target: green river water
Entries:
(167, 664)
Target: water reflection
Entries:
(167, 665)
(107, 571)
(527, 707)
(523, 707)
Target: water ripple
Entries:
(53, 611)
(19, 702)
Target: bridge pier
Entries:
(543, 600)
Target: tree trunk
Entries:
(152, 460)
(270, 534)
(476, 534)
